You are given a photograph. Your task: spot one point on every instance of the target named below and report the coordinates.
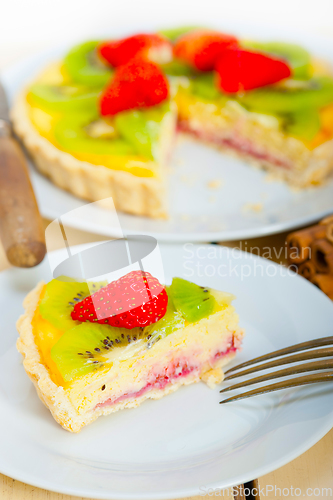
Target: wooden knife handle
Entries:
(21, 227)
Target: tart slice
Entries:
(133, 339)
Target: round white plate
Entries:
(186, 442)
(197, 212)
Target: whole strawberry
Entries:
(240, 70)
(135, 300)
(150, 46)
(138, 84)
(202, 48)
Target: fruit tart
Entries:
(100, 123)
(94, 348)
(269, 103)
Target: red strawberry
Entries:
(119, 52)
(240, 70)
(137, 84)
(201, 48)
(137, 299)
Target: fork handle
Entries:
(21, 227)
(247, 491)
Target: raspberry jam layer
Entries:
(239, 144)
(179, 369)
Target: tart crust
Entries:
(55, 397)
(145, 196)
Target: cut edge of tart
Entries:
(255, 138)
(194, 352)
(144, 196)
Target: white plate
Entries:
(198, 213)
(186, 442)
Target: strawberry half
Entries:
(137, 299)
(153, 47)
(241, 70)
(201, 48)
(137, 84)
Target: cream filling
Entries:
(192, 351)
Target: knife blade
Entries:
(21, 226)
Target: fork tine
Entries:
(288, 350)
(308, 379)
(302, 356)
(293, 370)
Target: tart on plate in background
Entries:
(101, 122)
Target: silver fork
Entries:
(300, 352)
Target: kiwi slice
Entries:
(60, 297)
(85, 67)
(141, 128)
(171, 321)
(204, 86)
(89, 346)
(298, 57)
(192, 301)
(176, 67)
(305, 124)
(63, 97)
(73, 134)
(314, 93)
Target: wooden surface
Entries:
(313, 470)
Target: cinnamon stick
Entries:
(307, 270)
(299, 242)
(327, 220)
(324, 282)
(329, 232)
(322, 256)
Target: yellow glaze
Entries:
(46, 335)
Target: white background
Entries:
(27, 26)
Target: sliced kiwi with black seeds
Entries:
(101, 128)
(73, 133)
(172, 320)
(63, 98)
(85, 66)
(282, 99)
(192, 301)
(61, 296)
(304, 125)
(298, 57)
(204, 85)
(90, 346)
